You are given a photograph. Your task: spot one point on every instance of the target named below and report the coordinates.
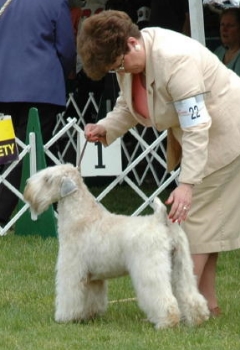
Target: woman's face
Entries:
(229, 30)
(133, 61)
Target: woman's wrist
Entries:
(186, 184)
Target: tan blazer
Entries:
(178, 67)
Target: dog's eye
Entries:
(47, 179)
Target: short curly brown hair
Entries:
(102, 39)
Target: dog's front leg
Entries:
(96, 299)
(77, 297)
(70, 285)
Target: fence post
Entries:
(45, 224)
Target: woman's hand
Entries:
(95, 133)
(181, 200)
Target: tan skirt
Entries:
(213, 224)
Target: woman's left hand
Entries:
(181, 200)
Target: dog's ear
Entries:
(68, 186)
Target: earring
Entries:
(137, 47)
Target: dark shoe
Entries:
(215, 312)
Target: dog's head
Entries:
(51, 185)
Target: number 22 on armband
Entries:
(194, 112)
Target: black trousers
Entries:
(19, 113)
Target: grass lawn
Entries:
(27, 308)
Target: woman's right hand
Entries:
(95, 133)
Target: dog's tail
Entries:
(160, 209)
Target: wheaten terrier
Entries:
(96, 245)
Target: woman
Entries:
(229, 51)
(170, 81)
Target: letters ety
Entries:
(8, 151)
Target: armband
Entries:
(192, 111)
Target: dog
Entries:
(96, 245)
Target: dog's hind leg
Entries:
(152, 282)
(192, 304)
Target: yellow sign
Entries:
(8, 147)
(6, 128)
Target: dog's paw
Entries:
(197, 312)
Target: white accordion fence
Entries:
(141, 153)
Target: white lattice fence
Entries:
(143, 154)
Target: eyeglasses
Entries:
(119, 68)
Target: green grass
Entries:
(27, 306)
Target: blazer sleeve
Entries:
(118, 121)
(194, 141)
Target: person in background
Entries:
(170, 81)
(229, 51)
(76, 13)
(138, 10)
(37, 53)
(171, 14)
(83, 85)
